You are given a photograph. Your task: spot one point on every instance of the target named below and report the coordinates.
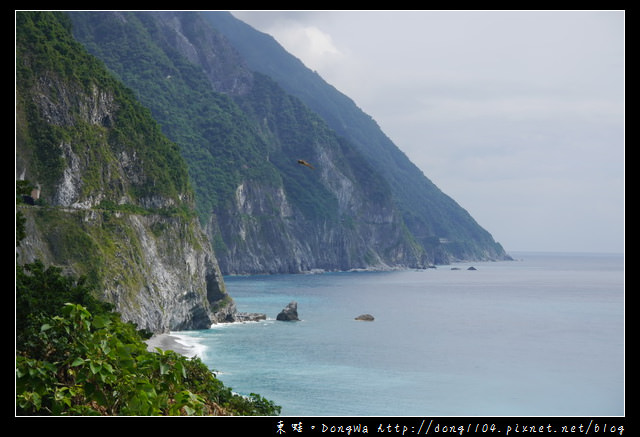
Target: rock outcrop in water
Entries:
(289, 313)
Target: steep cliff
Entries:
(114, 203)
(445, 229)
(197, 72)
(242, 136)
(338, 215)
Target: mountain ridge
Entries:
(264, 213)
(430, 214)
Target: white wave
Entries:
(192, 346)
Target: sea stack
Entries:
(289, 313)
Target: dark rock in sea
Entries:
(472, 268)
(455, 268)
(289, 313)
(365, 317)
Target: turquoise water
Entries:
(540, 336)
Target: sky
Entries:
(516, 115)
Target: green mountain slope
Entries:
(242, 136)
(114, 203)
(432, 216)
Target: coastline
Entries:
(189, 346)
(168, 342)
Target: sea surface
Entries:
(542, 335)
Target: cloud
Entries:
(298, 32)
(314, 47)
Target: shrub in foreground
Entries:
(84, 364)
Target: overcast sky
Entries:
(517, 115)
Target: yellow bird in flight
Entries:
(305, 163)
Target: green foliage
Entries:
(21, 232)
(52, 67)
(293, 132)
(218, 141)
(145, 68)
(41, 291)
(74, 356)
(71, 361)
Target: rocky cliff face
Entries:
(157, 271)
(185, 33)
(115, 203)
(442, 227)
(264, 226)
(335, 215)
(268, 213)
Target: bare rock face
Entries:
(157, 271)
(365, 318)
(289, 313)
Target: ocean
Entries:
(542, 335)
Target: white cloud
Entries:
(300, 33)
(314, 47)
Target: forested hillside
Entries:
(242, 137)
(113, 201)
(438, 223)
(198, 73)
(108, 248)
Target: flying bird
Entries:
(305, 163)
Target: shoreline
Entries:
(168, 342)
(187, 346)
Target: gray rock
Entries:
(365, 317)
(289, 313)
(250, 317)
(159, 281)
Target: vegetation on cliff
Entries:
(103, 166)
(216, 139)
(241, 135)
(60, 88)
(76, 357)
(116, 205)
(442, 227)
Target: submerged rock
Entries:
(365, 317)
(289, 313)
(472, 268)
